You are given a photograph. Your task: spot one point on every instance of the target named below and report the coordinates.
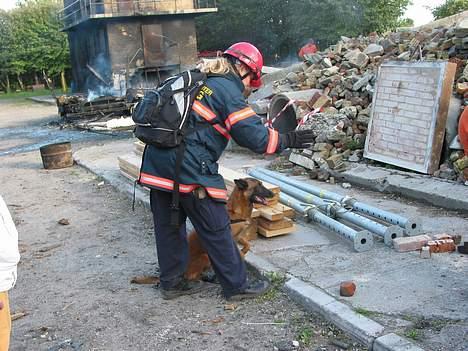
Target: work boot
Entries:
(184, 287)
(252, 291)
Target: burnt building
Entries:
(117, 44)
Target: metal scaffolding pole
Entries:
(362, 240)
(412, 226)
(334, 209)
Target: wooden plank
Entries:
(229, 175)
(288, 211)
(271, 214)
(281, 224)
(271, 202)
(272, 233)
(139, 148)
(255, 213)
(130, 164)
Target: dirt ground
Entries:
(74, 280)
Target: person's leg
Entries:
(211, 221)
(5, 322)
(171, 242)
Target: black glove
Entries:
(298, 139)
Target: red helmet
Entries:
(251, 57)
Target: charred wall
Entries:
(88, 45)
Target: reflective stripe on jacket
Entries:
(221, 104)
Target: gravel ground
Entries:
(74, 291)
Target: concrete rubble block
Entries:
(330, 71)
(322, 101)
(334, 135)
(357, 58)
(405, 56)
(302, 161)
(363, 118)
(326, 63)
(350, 111)
(374, 50)
(461, 164)
(462, 88)
(412, 243)
(323, 174)
(322, 147)
(313, 58)
(393, 342)
(335, 161)
(292, 77)
(362, 82)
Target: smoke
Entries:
(99, 78)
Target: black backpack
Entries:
(161, 116)
(161, 120)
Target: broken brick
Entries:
(347, 289)
(441, 246)
(412, 243)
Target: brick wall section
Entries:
(405, 106)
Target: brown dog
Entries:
(240, 205)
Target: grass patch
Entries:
(305, 336)
(414, 334)
(25, 94)
(276, 281)
(364, 312)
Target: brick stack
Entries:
(347, 74)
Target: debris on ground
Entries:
(347, 289)
(64, 221)
(346, 74)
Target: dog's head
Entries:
(253, 190)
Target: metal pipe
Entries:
(387, 233)
(412, 226)
(362, 240)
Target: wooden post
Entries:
(63, 82)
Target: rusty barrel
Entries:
(55, 156)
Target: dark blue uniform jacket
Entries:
(221, 104)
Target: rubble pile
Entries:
(347, 71)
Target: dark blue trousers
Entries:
(211, 221)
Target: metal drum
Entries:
(55, 156)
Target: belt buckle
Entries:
(200, 193)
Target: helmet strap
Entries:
(233, 62)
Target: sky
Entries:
(418, 11)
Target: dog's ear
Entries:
(241, 184)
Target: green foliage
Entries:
(31, 41)
(449, 8)
(414, 334)
(305, 336)
(280, 27)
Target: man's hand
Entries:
(298, 139)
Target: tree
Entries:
(31, 42)
(449, 8)
(280, 27)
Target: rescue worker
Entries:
(9, 257)
(308, 49)
(220, 103)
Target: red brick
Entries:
(411, 243)
(440, 246)
(347, 289)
